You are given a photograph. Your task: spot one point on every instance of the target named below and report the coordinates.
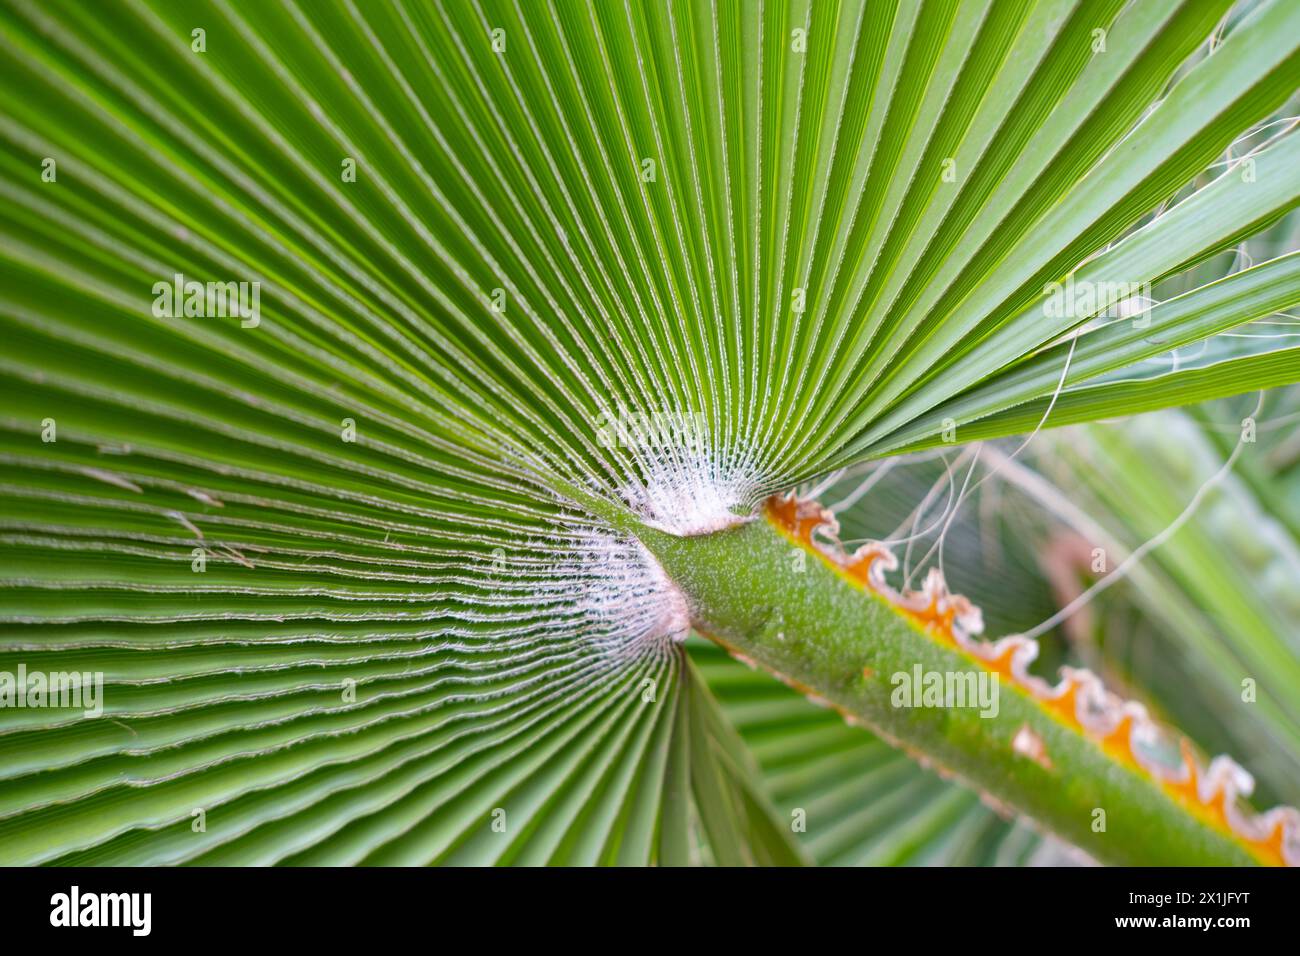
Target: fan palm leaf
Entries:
(388, 389)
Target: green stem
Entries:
(796, 617)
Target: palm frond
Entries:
(325, 325)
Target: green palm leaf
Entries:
(372, 566)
